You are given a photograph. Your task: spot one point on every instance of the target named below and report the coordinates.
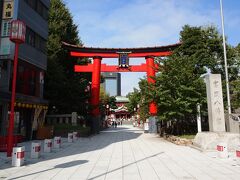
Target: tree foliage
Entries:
(137, 103)
(106, 99)
(63, 88)
(235, 83)
(179, 86)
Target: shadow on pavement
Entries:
(61, 166)
(83, 145)
(71, 164)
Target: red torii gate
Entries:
(96, 68)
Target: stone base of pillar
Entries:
(152, 124)
(95, 125)
(208, 141)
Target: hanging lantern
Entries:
(123, 60)
(17, 31)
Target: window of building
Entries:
(6, 24)
(28, 82)
(45, 13)
(35, 40)
(32, 3)
(30, 37)
(39, 7)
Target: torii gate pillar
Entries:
(96, 74)
(151, 80)
(96, 85)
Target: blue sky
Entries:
(139, 23)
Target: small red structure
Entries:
(149, 53)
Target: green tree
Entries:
(134, 99)
(235, 84)
(106, 99)
(179, 86)
(137, 102)
(64, 88)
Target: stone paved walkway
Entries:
(123, 153)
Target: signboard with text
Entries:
(8, 9)
(7, 16)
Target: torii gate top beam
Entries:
(157, 51)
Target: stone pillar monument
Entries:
(74, 118)
(217, 132)
(215, 103)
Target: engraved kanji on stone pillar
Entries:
(215, 103)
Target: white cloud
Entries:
(135, 23)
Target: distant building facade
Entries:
(32, 64)
(121, 112)
(112, 83)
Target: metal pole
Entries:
(11, 119)
(225, 59)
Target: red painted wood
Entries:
(85, 68)
(150, 78)
(111, 68)
(115, 55)
(96, 67)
